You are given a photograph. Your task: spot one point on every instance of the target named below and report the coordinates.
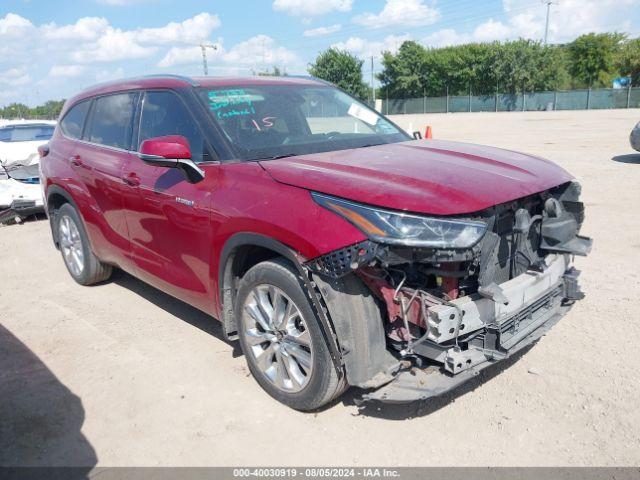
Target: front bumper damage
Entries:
(536, 302)
(449, 313)
(20, 193)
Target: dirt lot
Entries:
(121, 374)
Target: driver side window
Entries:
(163, 113)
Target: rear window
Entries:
(111, 120)
(73, 121)
(26, 133)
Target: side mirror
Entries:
(171, 151)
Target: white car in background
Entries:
(20, 193)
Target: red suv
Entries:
(336, 249)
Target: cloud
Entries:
(93, 39)
(105, 75)
(116, 44)
(445, 37)
(488, 31)
(569, 19)
(47, 55)
(113, 45)
(66, 70)
(401, 13)
(192, 30)
(14, 77)
(320, 31)
(365, 48)
(13, 25)
(190, 55)
(86, 28)
(260, 50)
(491, 30)
(309, 8)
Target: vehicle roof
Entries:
(177, 81)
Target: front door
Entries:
(168, 218)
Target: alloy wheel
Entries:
(278, 338)
(71, 245)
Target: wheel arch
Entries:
(55, 198)
(241, 252)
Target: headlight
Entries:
(405, 229)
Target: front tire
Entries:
(82, 264)
(281, 338)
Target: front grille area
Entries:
(340, 262)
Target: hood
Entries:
(425, 176)
(23, 153)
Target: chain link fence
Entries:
(508, 102)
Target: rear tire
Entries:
(82, 264)
(281, 338)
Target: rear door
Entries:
(167, 217)
(98, 160)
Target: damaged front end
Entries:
(459, 294)
(20, 192)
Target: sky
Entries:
(50, 49)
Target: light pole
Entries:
(546, 25)
(203, 47)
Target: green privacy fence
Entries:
(507, 102)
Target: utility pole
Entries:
(546, 26)
(203, 47)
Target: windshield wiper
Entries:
(276, 157)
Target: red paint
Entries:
(385, 292)
(432, 177)
(152, 223)
(169, 146)
(450, 284)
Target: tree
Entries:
(50, 110)
(481, 68)
(628, 61)
(342, 69)
(592, 58)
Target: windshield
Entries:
(272, 121)
(26, 133)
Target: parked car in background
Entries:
(337, 250)
(634, 138)
(20, 192)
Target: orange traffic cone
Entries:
(427, 133)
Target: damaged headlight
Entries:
(401, 228)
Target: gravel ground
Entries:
(121, 374)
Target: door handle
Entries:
(131, 179)
(75, 161)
